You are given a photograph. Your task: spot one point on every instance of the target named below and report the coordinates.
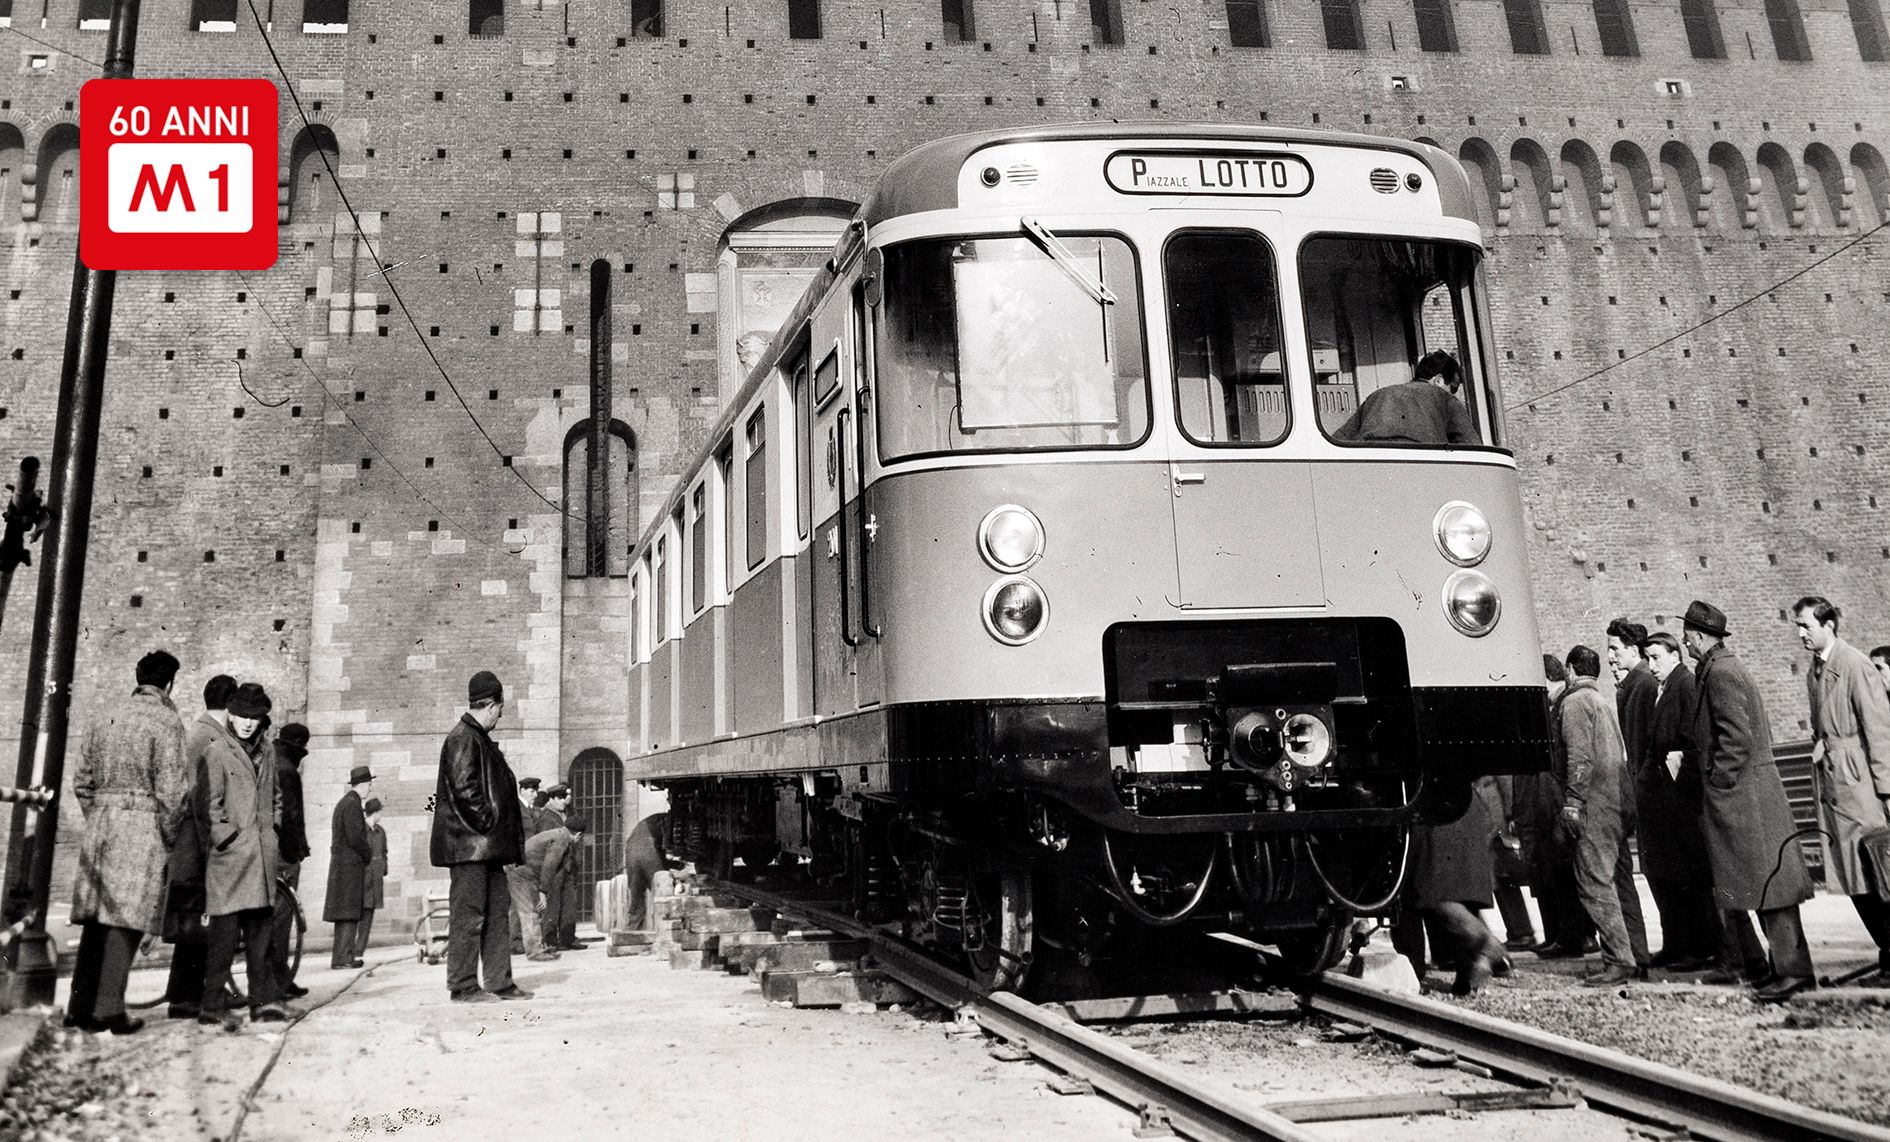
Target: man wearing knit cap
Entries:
(549, 858)
(527, 808)
(476, 833)
(1748, 822)
(292, 838)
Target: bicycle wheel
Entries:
(297, 931)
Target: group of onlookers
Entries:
(1681, 762)
(195, 833)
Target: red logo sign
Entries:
(177, 174)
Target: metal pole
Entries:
(32, 960)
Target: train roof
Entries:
(926, 177)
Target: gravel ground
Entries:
(1830, 1055)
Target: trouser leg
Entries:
(1407, 936)
(1701, 922)
(1875, 914)
(188, 953)
(1740, 950)
(551, 915)
(522, 887)
(1457, 934)
(1785, 933)
(1629, 895)
(1515, 911)
(258, 925)
(120, 947)
(85, 973)
(345, 933)
(282, 926)
(1577, 928)
(1595, 856)
(495, 950)
(568, 920)
(362, 931)
(639, 878)
(219, 953)
(465, 926)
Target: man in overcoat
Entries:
(1757, 866)
(133, 787)
(1594, 812)
(476, 833)
(372, 891)
(349, 854)
(1668, 795)
(239, 814)
(184, 899)
(1850, 754)
(291, 747)
(1567, 932)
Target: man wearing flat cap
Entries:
(349, 854)
(291, 747)
(527, 808)
(1747, 821)
(477, 832)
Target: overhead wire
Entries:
(55, 47)
(288, 85)
(1697, 326)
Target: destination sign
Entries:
(1251, 174)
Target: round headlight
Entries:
(1463, 535)
(1471, 603)
(1015, 610)
(1010, 538)
(1307, 741)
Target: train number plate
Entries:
(1241, 174)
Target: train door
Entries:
(869, 676)
(1245, 529)
(834, 629)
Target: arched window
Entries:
(1681, 172)
(312, 193)
(1730, 190)
(1486, 177)
(768, 256)
(596, 780)
(12, 158)
(58, 186)
(1873, 185)
(1581, 200)
(1529, 166)
(1826, 200)
(1633, 186)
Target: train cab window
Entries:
(1375, 308)
(1001, 344)
(1224, 326)
(755, 476)
(699, 549)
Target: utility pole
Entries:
(32, 961)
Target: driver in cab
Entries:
(1415, 412)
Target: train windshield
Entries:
(1382, 311)
(1224, 326)
(1010, 344)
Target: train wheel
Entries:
(1308, 953)
(1000, 925)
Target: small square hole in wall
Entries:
(217, 471)
(429, 462)
(137, 601)
(429, 395)
(512, 524)
(433, 525)
(360, 396)
(282, 470)
(508, 461)
(354, 528)
(144, 557)
(492, 394)
(295, 410)
(145, 473)
(236, 413)
(209, 557)
(278, 624)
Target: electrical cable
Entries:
(1158, 919)
(288, 85)
(1691, 329)
(55, 47)
(1340, 898)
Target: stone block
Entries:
(820, 989)
(781, 986)
(1387, 970)
(730, 920)
(626, 938)
(692, 941)
(694, 960)
(616, 950)
(806, 955)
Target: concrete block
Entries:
(616, 950)
(730, 920)
(823, 990)
(692, 941)
(694, 960)
(781, 986)
(625, 938)
(1387, 970)
(804, 955)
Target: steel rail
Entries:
(1706, 1108)
(1153, 1089)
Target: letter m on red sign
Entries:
(173, 184)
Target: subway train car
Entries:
(1039, 588)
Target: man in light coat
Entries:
(1850, 755)
(349, 854)
(240, 811)
(1757, 866)
(133, 787)
(1595, 814)
(476, 833)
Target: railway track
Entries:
(1549, 1069)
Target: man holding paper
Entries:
(1668, 793)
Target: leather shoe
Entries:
(294, 991)
(474, 995)
(224, 1019)
(1726, 976)
(1664, 958)
(357, 963)
(270, 1013)
(513, 992)
(542, 957)
(119, 1024)
(572, 948)
(1520, 944)
(1686, 964)
(237, 998)
(1559, 952)
(1471, 979)
(1783, 988)
(78, 1023)
(183, 1011)
(1611, 976)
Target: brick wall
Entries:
(372, 547)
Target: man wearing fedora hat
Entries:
(476, 833)
(1747, 821)
(291, 746)
(349, 854)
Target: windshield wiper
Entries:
(1064, 257)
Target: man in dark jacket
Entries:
(646, 853)
(527, 807)
(184, 898)
(476, 833)
(292, 840)
(549, 858)
(349, 854)
(562, 899)
(1668, 795)
(1567, 932)
(1757, 866)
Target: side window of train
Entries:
(659, 592)
(673, 601)
(724, 532)
(755, 475)
(1374, 308)
(699, 548)
(636, 616)
(1224, 330)
(803, 408)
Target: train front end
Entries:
(1172, 617)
